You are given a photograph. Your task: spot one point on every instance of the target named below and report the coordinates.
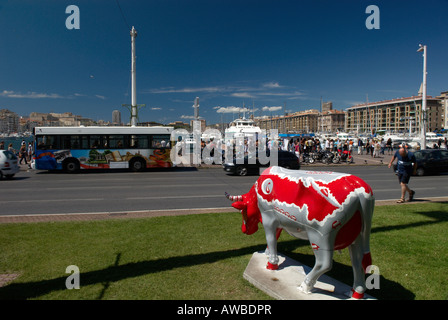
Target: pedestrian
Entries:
(23, 154)
(406, 165)
(389, 146)
(383, 146)
(376, 150)
(360, 145)
(11, 149)
(367, 147)
(350, 146)
(297, 149)
(30, 151)
(2, 145)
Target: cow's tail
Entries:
(367, 206)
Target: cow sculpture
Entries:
(332, 210)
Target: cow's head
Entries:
(248, 205)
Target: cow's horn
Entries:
(234, 198)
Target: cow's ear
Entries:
(239, 205)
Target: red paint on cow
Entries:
(317, 201)
(366, 261)
(250, 212)
(271, 266)
(285, 190)
(348, 232)
(356, 295)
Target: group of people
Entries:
(25, 152)
(441, 144)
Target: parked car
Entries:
(430, 161)
(8, 164)
(285, 159)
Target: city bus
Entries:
(76, 148)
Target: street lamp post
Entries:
(423, 131)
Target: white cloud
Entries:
(30, 95)
(156, 108)
(271, 109)
(100, 97)
(186, 117)
(232, 109)
(272, 85)
(242, 95)
(187, 90)
(262, 90)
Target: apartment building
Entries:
(299, 122)
(9, 121)
(397, 115)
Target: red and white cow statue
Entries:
(332, 210)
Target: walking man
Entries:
(406, 165)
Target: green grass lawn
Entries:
(204, 256)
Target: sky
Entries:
(271, 56)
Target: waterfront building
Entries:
(396, 115)
(9, 121)
(298, 122)
(332, 121)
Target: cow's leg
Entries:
(271, 231)
(277, 235)
(356, 255)
(324, 259)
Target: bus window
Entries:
(116, 141)
(47, 142)
(139, 141)
(84, 142)
(95, 142)
(74, 142)
(105, 142)
(65, 142)
(160, 141)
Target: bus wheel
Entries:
(137, 165)
(71, 166)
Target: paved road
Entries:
(33, 193)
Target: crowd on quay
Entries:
(301, 146)
(24, 153)
(376, 147)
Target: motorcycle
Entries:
(343, 155)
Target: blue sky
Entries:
(266, 54)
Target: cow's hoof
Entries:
(356, 295)
(305, 288)
(271, 266)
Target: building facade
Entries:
(116, 118)
(332, 121)
(444, 105)
(298, 122)
(397, 115)
(9, 121)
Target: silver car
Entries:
(8, 164)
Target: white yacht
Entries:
(431, 139)
(242, 127)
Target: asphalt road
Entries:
(185, 188)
